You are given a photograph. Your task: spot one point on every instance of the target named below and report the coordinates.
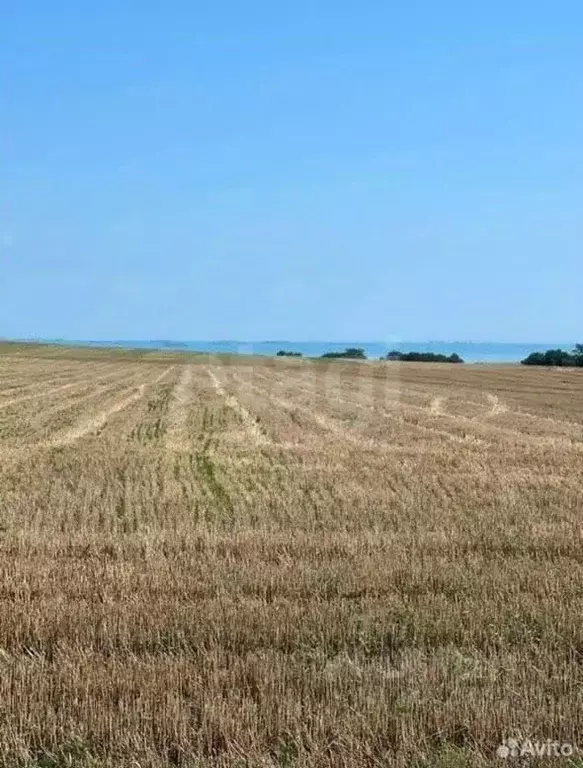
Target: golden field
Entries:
(237, 562)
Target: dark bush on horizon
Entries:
(557, 358)
(423, 357)
(283, 353)
(351, 353)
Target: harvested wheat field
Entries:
(234, 562)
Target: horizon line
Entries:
(119, 340)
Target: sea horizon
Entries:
(470, 351)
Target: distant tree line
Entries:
(352, 353)
(357, 353)
(557, 357)
(550, 358)
(423, 357)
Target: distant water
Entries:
(471, 352)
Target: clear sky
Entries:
(306, 170)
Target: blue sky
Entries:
(307, 170)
